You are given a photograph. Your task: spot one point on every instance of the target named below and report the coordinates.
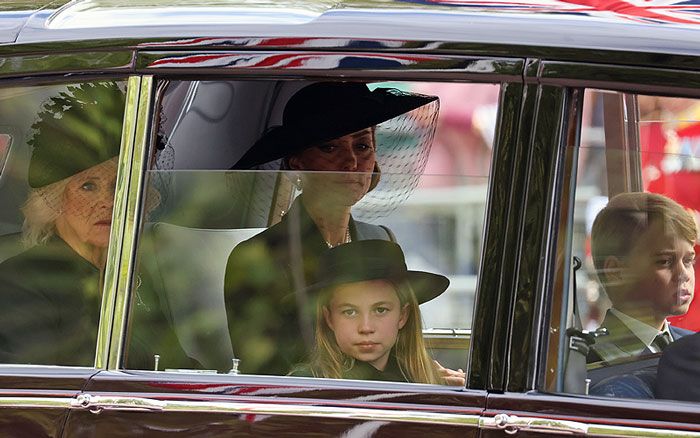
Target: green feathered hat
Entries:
(76, 129)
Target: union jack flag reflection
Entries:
(644, 11)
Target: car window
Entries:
(262, 193)
(58, 158)
(5, 142)
(633, 238)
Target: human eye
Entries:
(364, 147)
(327, 148)
(664, 262)
(348, 312)
(690, 260)
(88, 186)
(382, 310)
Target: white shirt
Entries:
(644, 332)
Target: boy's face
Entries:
(659, 275)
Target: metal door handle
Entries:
(97, 404)
(512, 424)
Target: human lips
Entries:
(353, 179)
(104, 222)
(684, 295)
(366, 345)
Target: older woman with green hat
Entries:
(329, 139)
(51, 292)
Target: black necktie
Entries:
(661, 341)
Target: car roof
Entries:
(660, 27)
(15, 13)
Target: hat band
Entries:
(356, 273)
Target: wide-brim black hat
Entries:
(327, 110)
(365, 260)
(77, 129)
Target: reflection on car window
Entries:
(5, 142)
(59, 184)
(224, 254)
(635, 232)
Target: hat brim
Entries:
(286, 140)
(425, 285)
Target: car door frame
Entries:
(122, 396)
(36, 399)
(524, 403)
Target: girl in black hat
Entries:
(329, 136)
(368, 323)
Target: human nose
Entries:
(106, 198)
(683, 271)
(349, 158)
(366, 324)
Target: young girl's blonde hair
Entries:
(416, 365)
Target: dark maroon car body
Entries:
(537, 54)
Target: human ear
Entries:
(612, 270)
(404, 316)
(327, 318)
(294, 163)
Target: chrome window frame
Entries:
(167, 65)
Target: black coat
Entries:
(268, 332)
(50, 311)
(50, 307)
(621, 342)
(678, 376)
(637, 378)
(363, 371)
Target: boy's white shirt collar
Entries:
(644, 332)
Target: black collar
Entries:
(365, 371)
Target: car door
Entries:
(188, 210)
(51, 295)
(627, 132)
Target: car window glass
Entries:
(5, 142)
(56, 191)
(248, 180)
(633, 244)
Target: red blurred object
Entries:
(682, 185)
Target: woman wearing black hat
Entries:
(328, 135)
(51, 292)
(368, 323)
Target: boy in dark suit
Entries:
(642, 245)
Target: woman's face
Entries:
(88, 199)
(366, 317)
(351, 157)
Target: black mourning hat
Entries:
(365, 260)
(77, 129)
(327, 110)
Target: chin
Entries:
(678, 311)
(99, 241)
(348, 200)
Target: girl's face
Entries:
(88, 200)
(351, 158)
(365, 318)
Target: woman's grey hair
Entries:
(42, 208)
